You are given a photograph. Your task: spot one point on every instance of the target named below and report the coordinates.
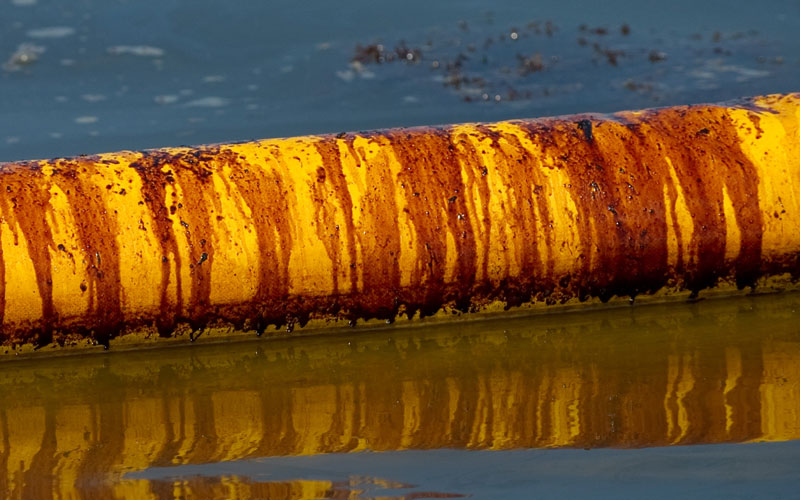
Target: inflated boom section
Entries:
(405, 221)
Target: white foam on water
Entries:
(135, 50)
(86, 120)
(51, 32)
(93, 97)
(208, 102)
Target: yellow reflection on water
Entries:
(709, 372)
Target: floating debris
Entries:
(530, 64)
(26, 54)
(539, 60)
(377, 54)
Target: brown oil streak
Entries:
(640, 170)
(627, 231)
(432, 176)
(2, 282)
(27, 202)
(379, 237)
(193, 172)
(331, 182)
(154, 195)
(708, 162)
(639, 209)
(594, 193)
(470, 162)
(97, 230)
(525, 182)
(534, 166)
(566, 144)
(676, 228)
(704, 200)
(519, 216)
(265, 192)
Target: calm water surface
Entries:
(101, 75)
(580, 403)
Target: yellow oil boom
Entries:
(399, 222)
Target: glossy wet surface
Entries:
(362, 414)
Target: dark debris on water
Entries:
(481, 63)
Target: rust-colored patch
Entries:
(435, 196)
(98, 239)
(331, 183)
(379, 240)
(154, 184)
(523, 181)
(477, 176)
(26, 202)
(194, 211)
(265, 193)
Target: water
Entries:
(560, 404)
(721, 471)
(104, 75)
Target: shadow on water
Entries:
(127, 425)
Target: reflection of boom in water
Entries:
(613, 378)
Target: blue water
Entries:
(104, 75)
(733, 471)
